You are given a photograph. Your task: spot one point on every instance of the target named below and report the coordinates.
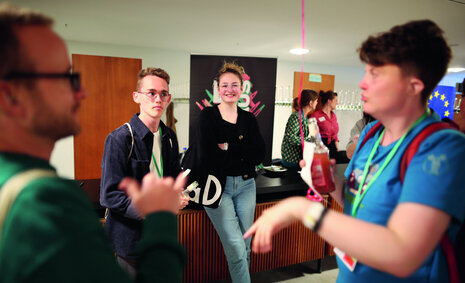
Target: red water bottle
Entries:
(321, 172)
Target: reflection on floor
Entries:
(304, 272)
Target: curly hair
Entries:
(417, 47)
(152, 72)
(12, 56)
(230, 67)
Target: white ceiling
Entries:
(267, 28)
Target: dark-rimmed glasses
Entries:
(74, 78)
(164, 96)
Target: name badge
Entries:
(348, 261)
(322, 119)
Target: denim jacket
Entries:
(123, 223)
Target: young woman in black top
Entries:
(230, 137)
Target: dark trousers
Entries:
(331, 146)
(340, 156)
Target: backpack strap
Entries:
(371, 132)
(132, 141)
(14, 186)
(411, 150)
(448, 250)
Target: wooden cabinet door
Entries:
(109, 82)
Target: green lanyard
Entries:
(160, 172)
(359, 196)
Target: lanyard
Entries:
(359, 196)
(160, 172)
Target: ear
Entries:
(136, 97)
(9, 102)
(417, 86)
(169, 101)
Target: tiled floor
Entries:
(305, 272)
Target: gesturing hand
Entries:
(155, 194)
(275, 219)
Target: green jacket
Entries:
(52, 234)
(291, 147)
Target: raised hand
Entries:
(154, 194)
(275, 219)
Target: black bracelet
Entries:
(318, 223)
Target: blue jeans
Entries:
(231, 219)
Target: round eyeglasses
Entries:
(152, 95)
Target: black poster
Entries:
(258, 95)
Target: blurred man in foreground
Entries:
(49, 232)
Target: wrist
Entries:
(313, 216)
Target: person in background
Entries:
(291, 147)
(144, 145)
(228, 133)
(391, 231)
(327, 121)
(170, 119)
(355, 133)
(49, 230)
(461, 116)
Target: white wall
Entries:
(452, 78)
(177, 64)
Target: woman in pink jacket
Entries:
(327, 121)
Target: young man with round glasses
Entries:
(143, 145)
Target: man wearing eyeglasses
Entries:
(48, 229)
(143, 145)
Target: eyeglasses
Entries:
(164, 96)
(74, 78)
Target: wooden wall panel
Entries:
(292, 245)
(205, 257)
(110, 82)
(338, 208)
(206, 260)
(327, 83)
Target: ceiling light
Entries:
(299, 51)
(455, 70)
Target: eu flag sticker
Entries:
(442, 101)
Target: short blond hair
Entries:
(152, 72)
(12, 56)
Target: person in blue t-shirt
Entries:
(390, 230)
